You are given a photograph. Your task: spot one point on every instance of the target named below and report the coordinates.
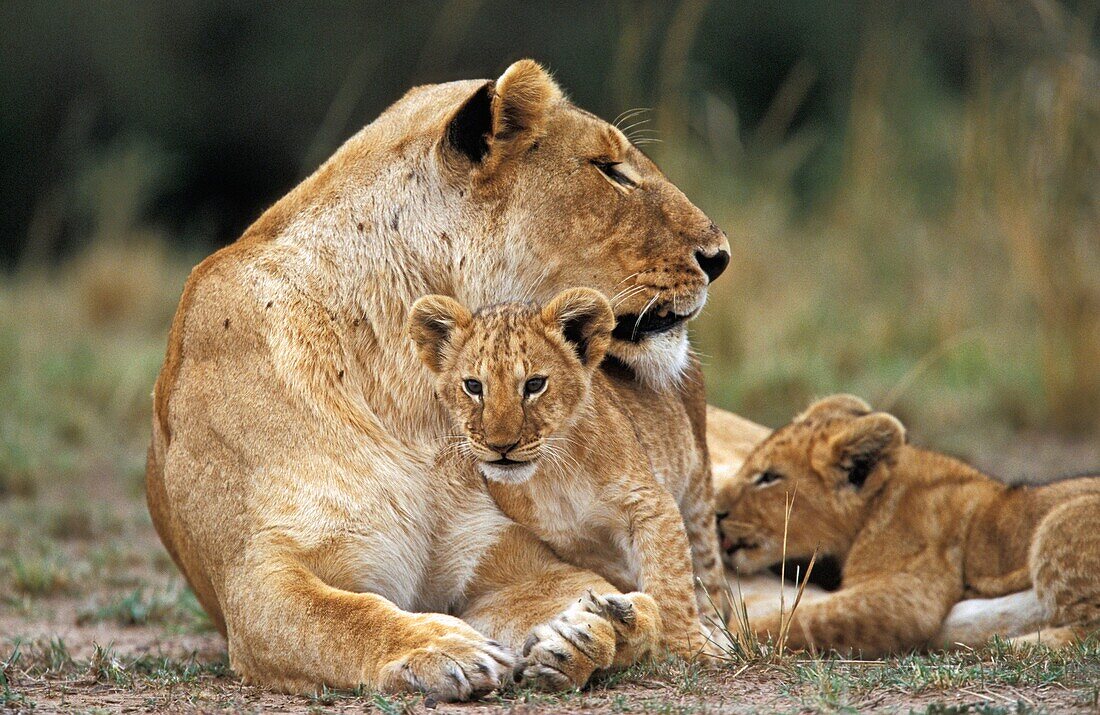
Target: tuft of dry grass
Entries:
(737, 639)
(176, 609)
(39, 576)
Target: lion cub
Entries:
(542, 424)
(915, 531)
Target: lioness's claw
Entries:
(455, 666)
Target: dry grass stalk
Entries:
(741, 644)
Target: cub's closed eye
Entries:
(534, 386)
(613, 170)
(472, 387)
(767, 477)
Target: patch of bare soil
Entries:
(94, 617)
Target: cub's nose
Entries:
(714, 265)
(502, 449)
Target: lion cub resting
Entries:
(542, 424)
(915, 531)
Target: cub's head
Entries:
(545, 196)
(829, 462)
(513, 376)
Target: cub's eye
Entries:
(612, 170)
(472, 387)
(534, 386)
(767, 477)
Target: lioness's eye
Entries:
(472, 387)
(610, 170)
(767, 477)
(534, 386)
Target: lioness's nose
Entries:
(713, 265)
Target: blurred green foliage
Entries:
(912, 191)
(231, 103)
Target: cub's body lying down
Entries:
(915, 532)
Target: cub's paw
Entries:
(598, 631)
(637, 622)
(564, 652)
(457, 663)
(1058, 637)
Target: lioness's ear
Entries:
(585, 320)
(433, 323)
(860, 446)
(502, 118)
(835, 404)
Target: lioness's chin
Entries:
(658, 360)
(508, 474)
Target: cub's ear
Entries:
(585, 320)
(434, 321)
(843, 405)
(858, 447)
(502, 118)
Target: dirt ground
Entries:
(94, 617)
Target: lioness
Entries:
(914, 530)
(290, 474)
(537, 417)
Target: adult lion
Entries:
(290, 473)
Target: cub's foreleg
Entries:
(697, 511)
(566, 621)
(878, 615)
(993, 586)
(659, 551)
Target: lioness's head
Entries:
(513, 376)
(828, 463)
(547, 196)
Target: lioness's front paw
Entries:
(595, 632)
(458, 664)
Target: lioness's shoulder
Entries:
(221, 308)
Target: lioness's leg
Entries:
(568, 621)
(288, 629)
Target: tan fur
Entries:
(578, 474)
(970, 623)
(292, 472)
(916, 531)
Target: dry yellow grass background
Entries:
(952, 274)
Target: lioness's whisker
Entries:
(629, 114)
(626, 294)
(632, 275)
(641, 315)
(640, 122)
